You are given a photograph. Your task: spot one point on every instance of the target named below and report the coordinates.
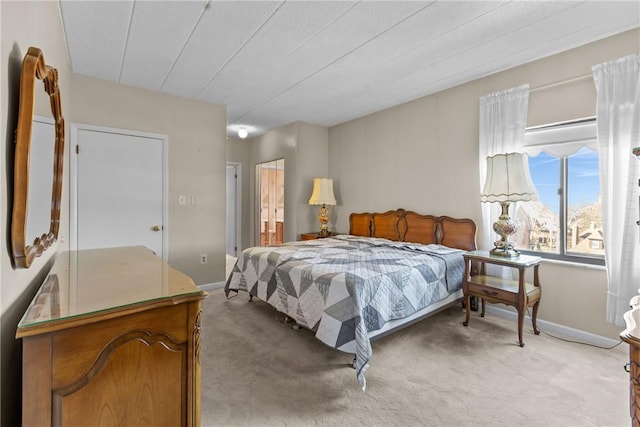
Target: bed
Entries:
(391, 270)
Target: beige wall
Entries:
(304, 148)
(238, 151)
(280, 143)
(197, 159)
(423, 156)
(312, 162)
(196, 132)
(24, 24)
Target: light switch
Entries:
(182, 200)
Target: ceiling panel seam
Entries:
(457, 54)
(239, 49)
(206, 7)
(431, 40)
(404, 53)
(302, 45)
(279, 62)
(336, 60)
(321, 30)
(126, 41)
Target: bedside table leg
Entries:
(520, 323)
(467, 307)
(534, 317)
(484, 307)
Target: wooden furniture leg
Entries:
(467, 305)
(522, 303)
(520, 325)
(534, 317)
(465, 290)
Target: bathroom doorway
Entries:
(270, 186)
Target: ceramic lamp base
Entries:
(505, 228)
(323, 217)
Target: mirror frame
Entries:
(33, 69)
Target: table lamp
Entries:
(323, 195)
(508, 180)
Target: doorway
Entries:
(234, 208)
(119, 187)
(270, 186)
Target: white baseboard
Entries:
(556, 329)
(212, 286)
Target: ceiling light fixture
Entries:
(242, 133)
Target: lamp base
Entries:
(505, 227)
(505, 253)
(323, 216)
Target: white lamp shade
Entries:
(322, 192)
(508, 179)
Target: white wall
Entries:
(423, 156)
(304, 148)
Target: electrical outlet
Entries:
(203, 258)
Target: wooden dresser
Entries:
(112, 338)
(631, 336)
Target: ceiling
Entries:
(322, 62)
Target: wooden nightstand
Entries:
(316, 235)
(631, 336)
(517, 293)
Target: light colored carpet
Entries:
(257, 371)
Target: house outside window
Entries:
(566, 222)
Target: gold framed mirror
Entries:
(37, 164)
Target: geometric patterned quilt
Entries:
(344, 287)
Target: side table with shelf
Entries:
(517, 293)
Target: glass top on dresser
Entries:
(86, 282)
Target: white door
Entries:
(119, 190)
(233, 208)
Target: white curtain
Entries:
(503, 118)
(618, 121)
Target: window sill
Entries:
(574, 264)
(568, 259)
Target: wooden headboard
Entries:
(408, 226)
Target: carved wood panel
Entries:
(138, 379)
(634, 397)
(408, 226)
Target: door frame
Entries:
(238, 167)
(73, 179)
(258, 224)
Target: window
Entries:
(566, 222)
